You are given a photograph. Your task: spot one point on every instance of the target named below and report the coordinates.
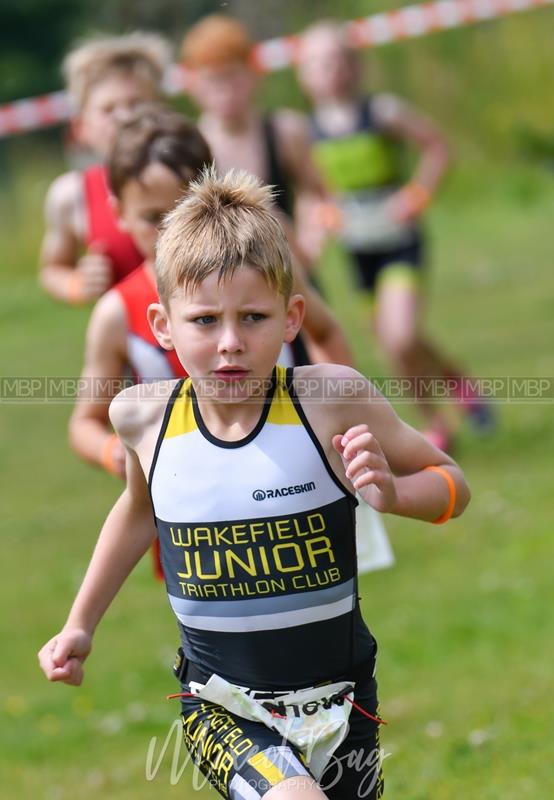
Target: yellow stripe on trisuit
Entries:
(282, 411)
(266, 768)
(182, 415)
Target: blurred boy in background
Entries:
(358, 143)
(106, 78)
(274, 146)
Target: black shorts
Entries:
(244, 759)
(370, 265)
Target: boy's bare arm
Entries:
(374, 452)
(125, 537)
(90, 432)
(406, 123)
(294, 143)
(63, 274)
(327, 340)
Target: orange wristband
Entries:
(452, 490)
(106, 456)
(75, 289)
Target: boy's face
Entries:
(145, 201)
(326, 69)
(107, 104)
(224, 91)
(231, 331)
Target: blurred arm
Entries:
(64, 275)
(403, 122)
(90, 432)
(60, 244)
(294, 143)
(327, 340)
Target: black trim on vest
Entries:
(317, 444)
(277, 174)
(253, 433)
(365, 122)
(165, 422)
(299, 351)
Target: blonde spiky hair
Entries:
(145, 55)
(222, 224)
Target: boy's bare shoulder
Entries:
(336, 380)
(337, 394)
(290, 116)
(107, 328)
(109, 314)
(64, 199)
(136, 410)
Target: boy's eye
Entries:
(255, 317)
(205, 319)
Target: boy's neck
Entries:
(337, 101)
(237, 125)
(339, 116)
(232, 421)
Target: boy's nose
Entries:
(230, 340)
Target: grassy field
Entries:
(464, 620)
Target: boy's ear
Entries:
(158, 320)
(295, 316)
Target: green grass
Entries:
(463, 620)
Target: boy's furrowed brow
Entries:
(201, 308)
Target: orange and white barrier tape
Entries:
(274, 54)
(34, 112)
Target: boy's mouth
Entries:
(231, 373)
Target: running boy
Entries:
(358, 143)
(105, 78)
(251, 483)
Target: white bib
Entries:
(366, 224)
(310, 721)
